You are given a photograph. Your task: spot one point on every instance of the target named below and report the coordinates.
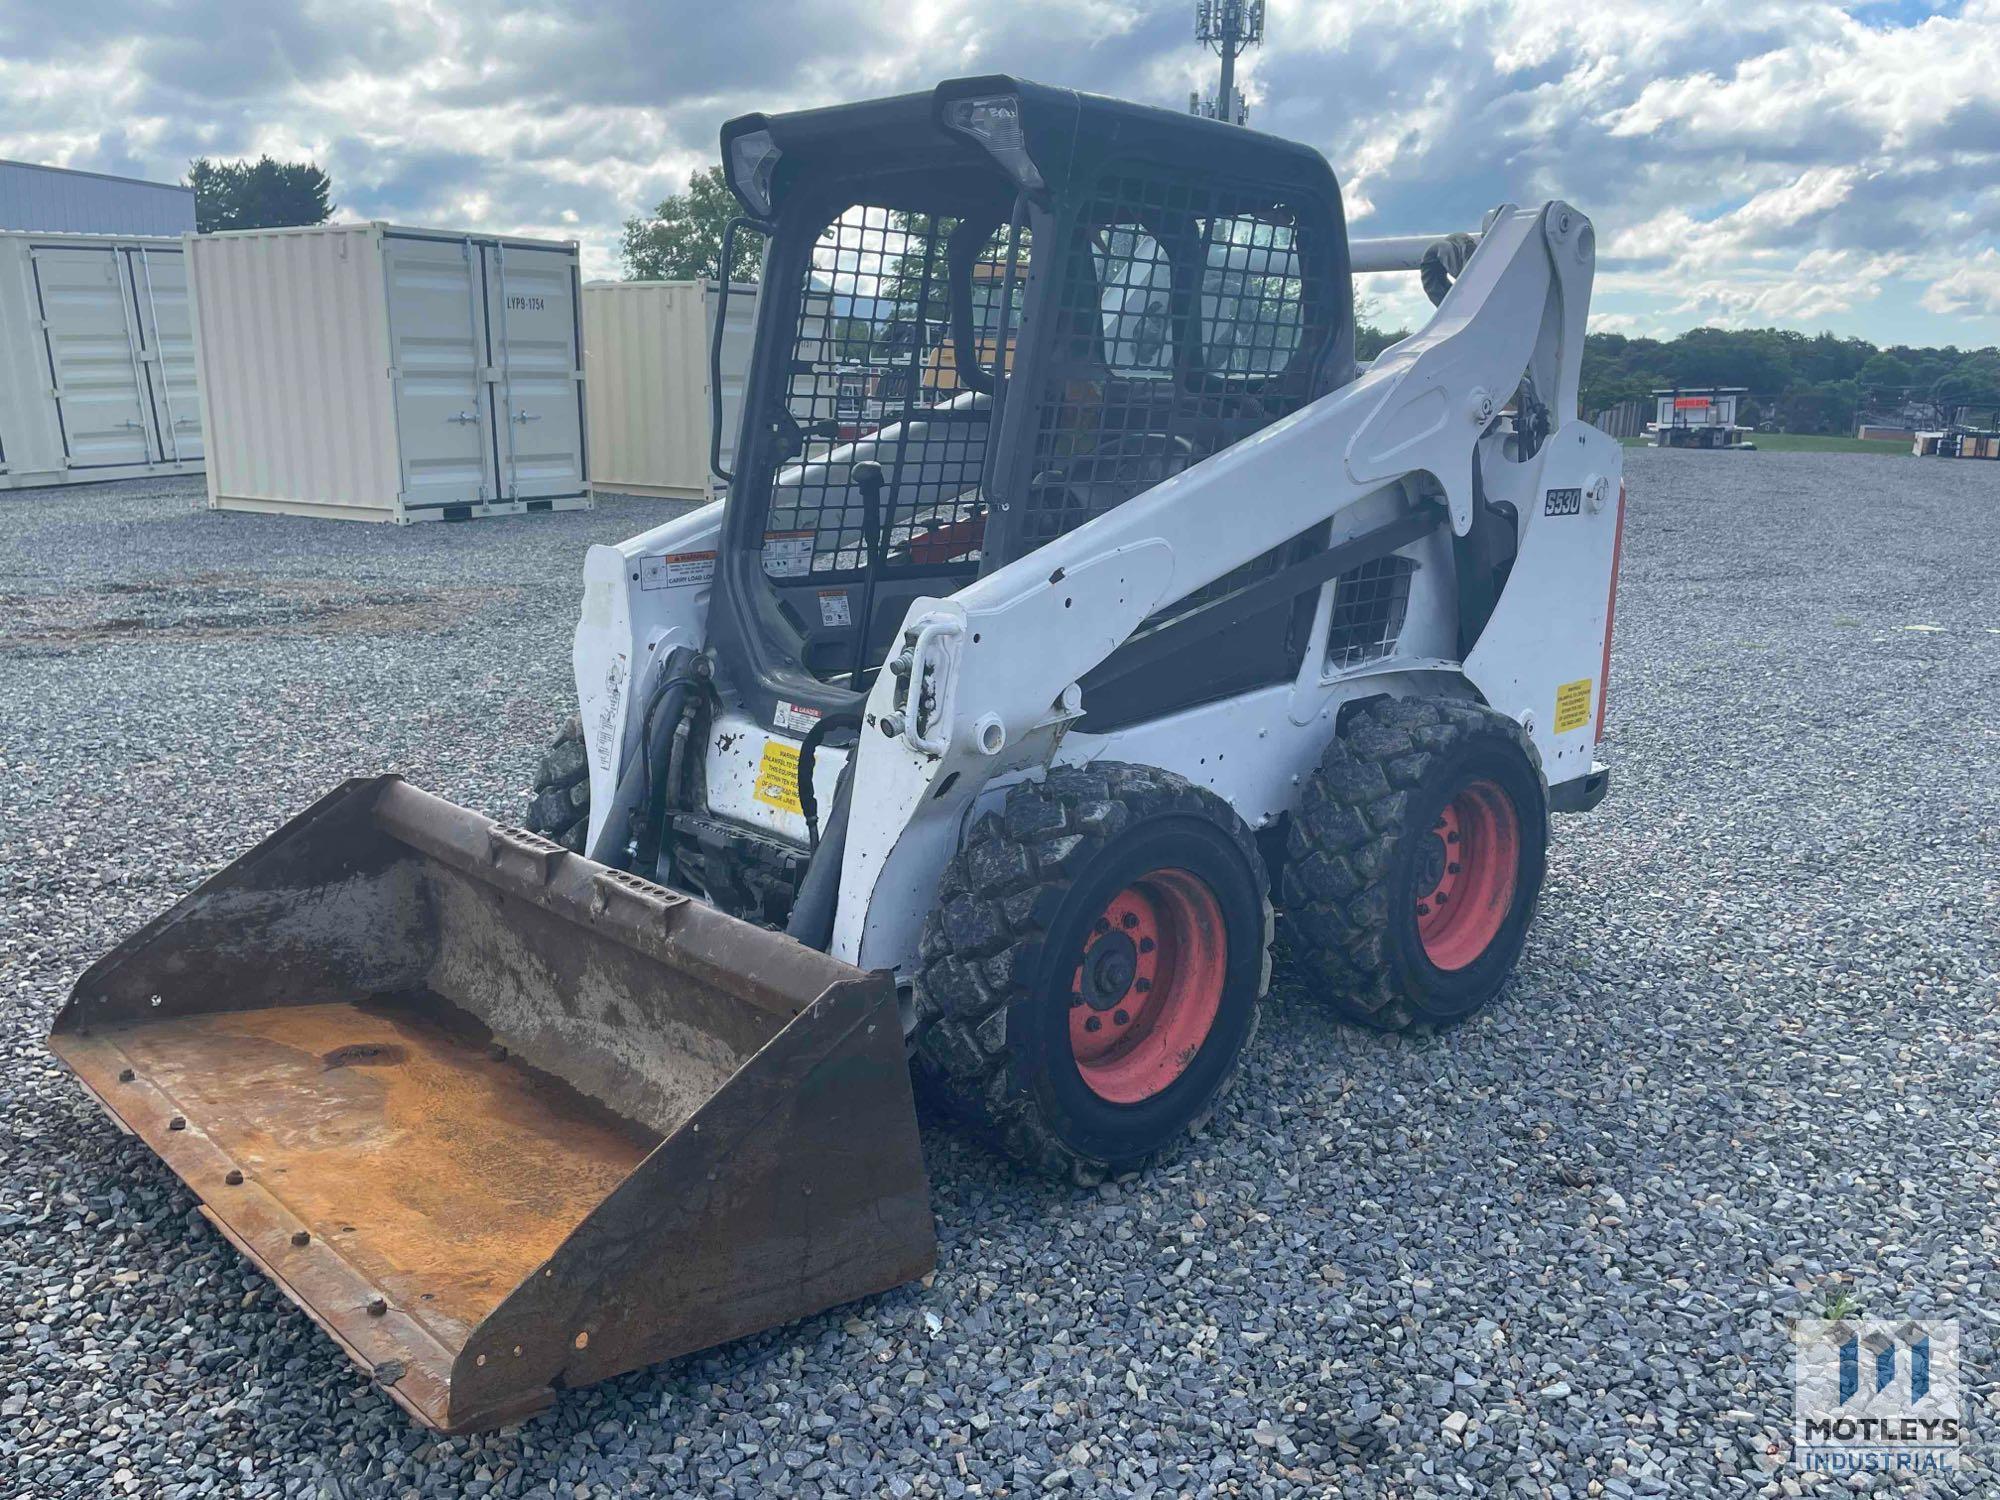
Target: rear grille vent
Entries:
(1370, 604)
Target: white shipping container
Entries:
(646, 356)
(375, 373)
(97, 370)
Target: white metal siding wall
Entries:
(646, 352)
(55, 200)
(291, 335)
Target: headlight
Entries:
(994, 120)
(753, 159)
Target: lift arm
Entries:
(985, 680)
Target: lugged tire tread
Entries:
(982, 943)
(1341, 845)
(559, 805)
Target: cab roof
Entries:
(1070, 136)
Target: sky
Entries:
(1798, 163)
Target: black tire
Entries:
(1368, 840)
(559, 806)
(1017, 909)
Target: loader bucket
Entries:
(502, 1120)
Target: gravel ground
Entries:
(1747, 1070)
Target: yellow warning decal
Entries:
(778, 777)
(1572, 706)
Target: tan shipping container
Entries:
(646, 349)
(375, 373)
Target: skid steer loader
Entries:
(978, 738)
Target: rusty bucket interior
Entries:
(502, 1120)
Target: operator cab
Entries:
(989, 314)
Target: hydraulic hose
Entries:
(813, 910)
(1443, 263)
(643, 785)
(815, 737)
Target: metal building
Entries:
(56, 200)
(97, 372)
(373, 373)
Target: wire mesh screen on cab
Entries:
(876, 381)
(1183, 325)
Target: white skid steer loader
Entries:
(1077, 597)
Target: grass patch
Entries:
(1795, 442)
(1799, 442)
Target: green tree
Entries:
(1885, 372)
(1370, 339)
(853, 339)
(260, 194)
(682, 239)
(1974, 380)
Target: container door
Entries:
(91, 338)
(438, 342)
(166, 341)
(536, 399)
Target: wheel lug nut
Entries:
(1103, 924)
(1129, 921)
(1423, 908)
(1146, 945)
(1142, 985)
(1091, 1023)
(1121, 1017)
(1453, 868)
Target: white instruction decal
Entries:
(794, 716)
(676, 570)
(788, 554)
(833, 608)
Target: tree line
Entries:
(260, 194)
(1800, 382)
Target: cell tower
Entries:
(1227, 26)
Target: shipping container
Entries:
(374, 373)
(97, 371)
(646, 346)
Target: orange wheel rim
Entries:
(1148, 986)
(1466, 874)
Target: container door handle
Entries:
(527, 416)
(463, 418)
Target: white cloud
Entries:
(1745, 160)
(1973, 287)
